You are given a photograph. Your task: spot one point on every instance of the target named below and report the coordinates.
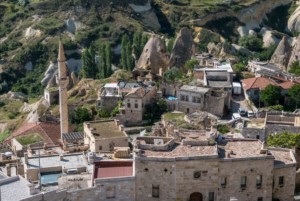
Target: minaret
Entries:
(62, 82)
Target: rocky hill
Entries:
(30, 30)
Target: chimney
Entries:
(31, 189)
(26, 158)
(61, 157)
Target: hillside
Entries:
(30, 30)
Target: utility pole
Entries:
(40, 178)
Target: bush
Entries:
(295, 68)
(284, 140)
(277, 107)
(252, 43)
(103, 113)
(271, 94)
(172, 75)
(50, 25)
(223, 129)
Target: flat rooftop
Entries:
(69, 161)
(256, 123)
(183, 151)
(105, 129)
(194, 89)
(282, 156)
(219, 84)
(241, 149)
(74, 182)
(14, 188)
(112, 169)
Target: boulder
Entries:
(220, 49)
(242, 50)
(72, 25)
(282, 54)
(183, 48)
(154, 56)
(29, 66)
(32, 33)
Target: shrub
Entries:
(223, 129)
(276, 107)
(252, 43)
(295, 68)
(285, 140)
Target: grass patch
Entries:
(4, 136)
(174, 116)
(29, 139)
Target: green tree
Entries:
(284, 140)
(89, 69)
(124, 51)
(190, 64)
(172, 75)
(108, 59)
(271, 94)
(137, 44)
(81, 115)
(295, 68)
(294, 93)
(252, 43)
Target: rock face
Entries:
(220, 49)
(74, 65)
(295, 55)
(242, 50)
(73, 25)
(154, 56)
(183, 48)
(294, 21)
(282, 53)
(32, 33)
(268, 37)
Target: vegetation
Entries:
(277, 107)
(223, 129)
(252, 43)
(271, 94)
(154, 111)
(285, 140)
(295, 68)
(81, 115)
(29, 139)
(4, 135)
(294, 93)
(173, 74)
(190, 64)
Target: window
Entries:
(187, 98)
(211, 196)
(100, 148)
(257, 137)
(223, 181)
(197, 175)
(260, 199)
(258, 180)
(110, 192)
(155, 191)
(182, 97)
(128, 105)
(243, 182)
(281, 181)
(123, 111)
(136, 105)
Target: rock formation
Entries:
(282, 53)
(183, 48)
(268, 37)
(220, 49)
(295, 55)
(294, 21)
(154, 56)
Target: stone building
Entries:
(134, 104)
(274, 123)
(104, 136)
(240, 170)
(51, 95)
(192, 98)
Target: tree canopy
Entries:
(271, 94)
(294, 93)
(284, 140)
(295, 68)
(252, 43)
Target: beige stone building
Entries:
(239, 170)
(134, 104)
(104, 136)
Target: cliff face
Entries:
(282, 53)
(251, 15)
(183, 48)
(295, 55)
(154, 56)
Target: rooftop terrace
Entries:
(282, 156)
(105, 129)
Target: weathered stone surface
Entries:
(294, 21)
(295, 55)
(154, 56)
(183, 48)
(268, 37)
(282, 53)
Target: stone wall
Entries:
(254, 133)
(285, 192)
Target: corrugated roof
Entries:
(68, 137)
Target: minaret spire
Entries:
(62, 82)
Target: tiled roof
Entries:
(139, 92)
(287, 85)
(257, 83)
(50, 132)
